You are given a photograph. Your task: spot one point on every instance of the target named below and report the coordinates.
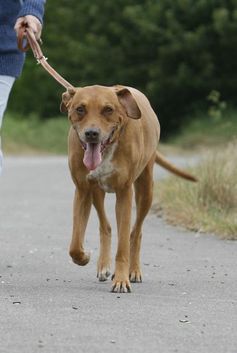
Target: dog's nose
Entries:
(92, 134)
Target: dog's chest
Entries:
(103, 173)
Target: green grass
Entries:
(202, 131)
(32, 135)
(210, 205)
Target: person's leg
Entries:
(6, 83)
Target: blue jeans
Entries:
(6, 83)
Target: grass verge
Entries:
(203, 131)
(209, 205)
(32, 135)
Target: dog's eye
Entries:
(81, 110)
(107, 110)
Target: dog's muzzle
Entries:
(94, 148)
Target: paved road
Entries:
(187, 302)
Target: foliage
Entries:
(217, 106)
(174, 51)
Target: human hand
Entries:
(32, 22)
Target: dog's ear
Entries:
(66, 99)
(129, 103)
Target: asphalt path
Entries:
(186, 303)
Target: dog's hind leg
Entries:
(143, 196)
(81, 211)
(104, 261)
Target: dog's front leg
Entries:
(81, 211)
(121, 281)
(104, 261)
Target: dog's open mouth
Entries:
(94, 152)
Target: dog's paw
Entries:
(103, 268)
(80, 258)
(121, 286)
(103, 274)
(135, 276)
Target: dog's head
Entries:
(97, 114)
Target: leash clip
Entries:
(39, 60)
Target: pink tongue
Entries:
(92, 155)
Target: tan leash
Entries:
(27, 35)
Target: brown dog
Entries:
(112, 147)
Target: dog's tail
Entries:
(163, 162)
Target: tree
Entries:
(176, 52)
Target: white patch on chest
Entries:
(105, 170)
